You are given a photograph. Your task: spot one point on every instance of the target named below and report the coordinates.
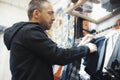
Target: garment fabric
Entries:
(114, 62)
(110, 48)
(91, 60)
(98, 73)
(115, 54)
(102, 55)
(105, 54)
(109, 6)
(32, 53)
(64, 73)
(74, 68)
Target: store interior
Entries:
(73, 20)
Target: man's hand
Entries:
(86, 39)
(92, 47)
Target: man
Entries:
(32, 53)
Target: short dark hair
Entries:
(35, 4)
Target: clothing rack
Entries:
(78, 4)
(73, 7)
(70, 10)
(106, 29)
(106, 17)
(94, 31)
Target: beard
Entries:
(46, 26)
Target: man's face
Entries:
(46, 16)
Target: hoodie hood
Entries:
(10, 33)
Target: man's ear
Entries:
(36, 13)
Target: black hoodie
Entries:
(10, 33)
(32, 53)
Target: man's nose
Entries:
(53, 17)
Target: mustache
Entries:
(51, 22)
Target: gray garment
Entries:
(102, 53)
(108, 6)
(115, 54)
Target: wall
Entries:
(9, 14)
(4, 61)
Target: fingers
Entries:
(88, 36)
(92, 47)
(86, 39)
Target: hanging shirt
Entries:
(115, 54)
(91, 60)
(102, 56)
(109, 49)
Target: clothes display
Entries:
(95, 64)
(90, 67)
(67, 32)
(106, 55)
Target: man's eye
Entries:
(51, 13)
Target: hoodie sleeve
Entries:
(37, 41)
